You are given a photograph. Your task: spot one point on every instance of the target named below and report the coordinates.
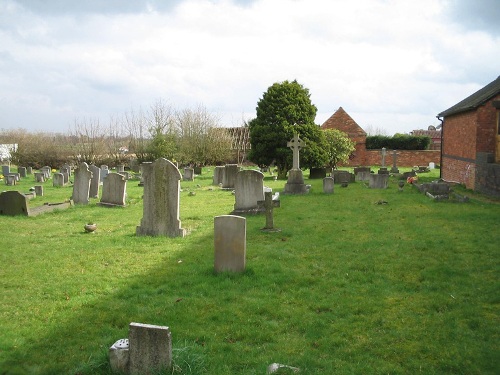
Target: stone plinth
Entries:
(295, 183)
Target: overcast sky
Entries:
(392, 65)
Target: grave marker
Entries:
(229, 243)
(295, 182)
(249, 190)
(81, 186)
(95, 181)
(114, 190)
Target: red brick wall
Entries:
(460, 171)
(459, 135)
(486, 126)
(404, 158)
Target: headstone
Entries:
(10, 179)
(328, 183)
(378, 181)
(341, 177)
(134, 165)
(66, 168)
(104, 172)
(39, 177)
(39, 190)
(114, 189)
(218, 175)
(432, 165)
(22, 171)
(120, 168)
(362, 176)
(188, 174)
(58, 179)
(95, 181)
(295, 182)
(383, 170)
(150, 349)
(269, 207)
(383, 152)
(229, 176)
(316, 173)
(141, 169)
(229, 243)
(65, 177)
(249, 190)
(394, 168)
(13, 203)
(197, 170)
(161, 200)
(47, 171)
(29, 170)
(361, 169)
(81, 185)
(5, 169)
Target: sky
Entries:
(392, 65)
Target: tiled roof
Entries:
(475, 100)
(429, 133)
(342, 121)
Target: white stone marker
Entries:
(230, 242)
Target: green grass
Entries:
(347, 287)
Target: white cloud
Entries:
(388, 63)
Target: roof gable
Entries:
(340, 120)
(475, 100)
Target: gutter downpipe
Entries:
(441, 151)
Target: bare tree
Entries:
(89, 140)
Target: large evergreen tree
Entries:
(284, 109)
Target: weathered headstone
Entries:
(22, 171)
(58, 179)
(161, 200)
(249, 190)
(39, 190)
(81, 185)
(378, 181)
(13, 203)
(362, 176)
(114, 190)
(394, 168)
(197, 170)
(29, 170)
(328, 184)
(188, 174)
(141, 169)
(218, 175)
(150, 349)
(95, 181)
(229, 176)
(229, 243)
(316, 173)
(5, 169)
(66, 168)
(119, 356)
(104, 172)
(39, 177)
(10, 179)
(46, 171)
(134, 165)
(295, 182)
(120, 168)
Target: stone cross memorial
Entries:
(295, 182)
(296, 144)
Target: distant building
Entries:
(433, 134)
(470, 151)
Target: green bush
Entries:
(398, 142)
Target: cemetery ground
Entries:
(349, 286)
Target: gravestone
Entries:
(39, 177)
(229, 243)
(361, 169)
(383, 153)
(229, 176)
(141, 169)
(188, 174)
(295, 182)
(58, 179)
(342, 177)
(249, 190)
(316, 173)
(81, 185)
(150, 349)
(269, 207)
(218, 175)
(22, 171)
(161, 200)
(13, 203)
(134, 165)
(39, 190)
(383, 170)
(120, 168)
(29, 170)
(104, 172)
(362, 176)
(66, 168)
(10, 179)
(46, 171)
(378, 181)
(65, 177)
(114, 190)
(328, 183)
(197, 170)
(5, 169)
(394, 168)
(95, 181)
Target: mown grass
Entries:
(347, 286)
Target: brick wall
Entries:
(404, 158)
(460, 171)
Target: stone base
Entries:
(295, 183)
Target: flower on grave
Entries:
(1, 176)
(54, 170)
(412, 179)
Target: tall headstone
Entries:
(150, 349)
(161, 200)
(22, 171)
(218, 175)
(230, 243)
(295, 182)
(229, 176)
(95, 181)
(58, 179)
(249, 190)
(141, 169)
(81, 185)
(114, 190)
(394, 168)
(328, 184)
(5, 169)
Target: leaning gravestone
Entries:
(249, 190)
(81, 185)
(229, 176)
(161, 200)
(188, 174)
(328, 183)
(95, 181)
(229, 243)
(378, 181)
(218, 175)
(114, 190)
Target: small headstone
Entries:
(362, 176)
(39, 190)
(134, 165)
(378, 181)
(114, 190)
(104, 172)
(229, 243)
(197, 170)
(10, 179)
(328, 184)
(13, 203)
(29, 170)
(432, 165)
(188, 174)
(22, 171)
(81, 185)
(150, 349)
(95, 181)
(58, 179)
(66, 168)
(218, 175)
(119, 356)
(5, 169)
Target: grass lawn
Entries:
(348, 286)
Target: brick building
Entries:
(433, 134)
(470, 149)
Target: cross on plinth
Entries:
(296, 144)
